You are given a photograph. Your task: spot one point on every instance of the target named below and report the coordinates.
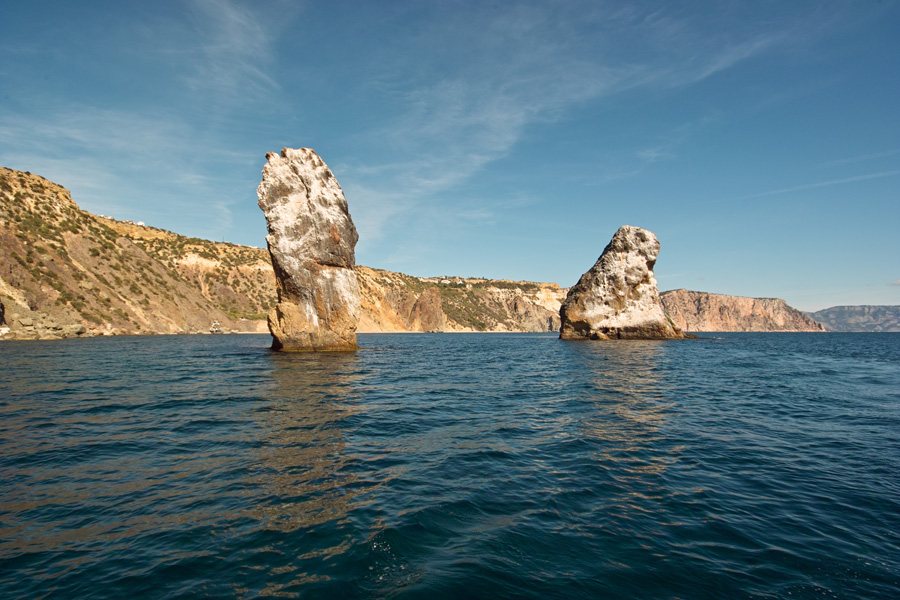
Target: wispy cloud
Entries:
(233, 50)
(821, 184)
(655, 154)
(528, 66)
(373, 210)
(168, 163)
(124, 164)
(858, 159)
(478, 215)
(664, 147)
(725, 57)
(895, 282)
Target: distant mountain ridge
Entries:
(867, 318)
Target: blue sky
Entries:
(760, 141)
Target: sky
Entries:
(760, 141)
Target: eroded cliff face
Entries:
(311, 241)
(700, 311)
(618, 298)
(394, 302)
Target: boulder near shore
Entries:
(311, 241)
(618, 298)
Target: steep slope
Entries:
(859, 318)
(238, 280)
(700, 311)
(64, 271)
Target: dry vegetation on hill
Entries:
(64, 271)
(397, 302)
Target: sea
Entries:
(745, 465)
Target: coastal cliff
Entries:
(394, 302)
(701, 311)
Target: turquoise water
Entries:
(452, 466)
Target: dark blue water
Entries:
(452, 466)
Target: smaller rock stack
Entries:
(311, 241)
(618, 297)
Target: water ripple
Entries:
(492, 466)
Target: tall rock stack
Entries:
(311, 240)
(618, 297)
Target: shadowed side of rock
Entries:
(311, 241)
(618, 297)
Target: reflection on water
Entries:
(304, 467)
(629, 398)
(631, 405)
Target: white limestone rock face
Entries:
(311, 241)
(618, 297)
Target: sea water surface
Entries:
(451, 466)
